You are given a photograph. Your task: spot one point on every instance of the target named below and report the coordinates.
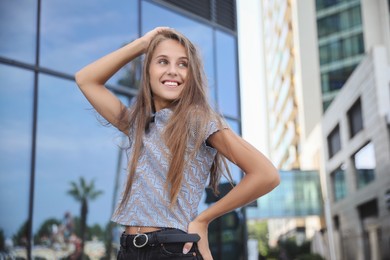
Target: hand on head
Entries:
(148, 37)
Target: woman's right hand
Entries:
(201, 229)
(92, 78)
(148, 37)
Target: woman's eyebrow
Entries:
(161, 56)
(166, 56)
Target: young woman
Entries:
(177, 142)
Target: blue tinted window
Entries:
(334, 141)
(365, 165)
(18, 29)
(339, 184)
(299, 194)
(16, 94)
(234, 170)
(227, 91)
(72, 143)
(75, 33)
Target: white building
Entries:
(357, 160)
(296, 94)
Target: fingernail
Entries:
(185, 250)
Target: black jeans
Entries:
(156, 251)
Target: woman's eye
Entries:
(183, 64)
(162, 61)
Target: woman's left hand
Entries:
(203, 244)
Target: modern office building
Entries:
(345, 34)
(293, 104)
(291, 81)
(356, 138)
(340, 41)
(357, 160)
(49, 135)
(280, 84)
(329, 40)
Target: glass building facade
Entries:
(298, 195)
(50, 136)
(341, 44)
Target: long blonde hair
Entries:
(191, 113)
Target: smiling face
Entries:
(168, 72)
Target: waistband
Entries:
(163, 236)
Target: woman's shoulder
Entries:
(206, 121)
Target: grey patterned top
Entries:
(149, 202)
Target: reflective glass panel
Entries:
(16, 102)
(198, 33)
(324, 54)
(322, 4)
(340, 21)
(234, 170)
(299, 194)
(355, 16)
(18, 29)
(365, 165)
(73, 146)
(335, 50)
(75, 33)
(339, 184)
(227, 74)
(334, 141)
(355, 118)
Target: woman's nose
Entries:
(172, 70)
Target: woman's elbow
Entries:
(79, 78)
(275, 179)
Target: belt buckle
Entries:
(135, 240)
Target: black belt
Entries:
(158, 237)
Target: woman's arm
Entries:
(260, 178)
(260, 175)
(91, 79)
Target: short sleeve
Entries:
(214, 126)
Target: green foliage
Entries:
(20, 237)
(274, 253)
(83, 192)
(96, 231)
(91, 231)
(288, 249)
(76, 225)
(259, 230)
(310, 257)
(46, 230)
(291, 250)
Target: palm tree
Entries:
(83, 192)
